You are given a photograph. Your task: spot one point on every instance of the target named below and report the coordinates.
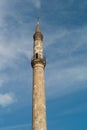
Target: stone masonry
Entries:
(38, 99)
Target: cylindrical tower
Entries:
(38, 99)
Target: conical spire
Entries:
(38, 35)
(37, 26)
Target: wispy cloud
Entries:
(65, 42)
(65, 80)
(62, 47)
(66, 61)
(15, 49)
(6, 99)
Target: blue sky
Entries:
(64, 26)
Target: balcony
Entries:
(36, 60)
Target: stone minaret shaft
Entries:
(38, 64)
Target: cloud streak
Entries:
(6, 99)
(66, 61)
(16, 44)
(66, 80)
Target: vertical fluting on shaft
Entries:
(38, 99)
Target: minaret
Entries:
(38, 99)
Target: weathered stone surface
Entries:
(38, 98)
(39, 109)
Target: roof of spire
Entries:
(38, 26)
(38, 34)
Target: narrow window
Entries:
(36, 55)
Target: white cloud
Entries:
(69, 65)
(6, 99)
(10, 50)
(12, 46)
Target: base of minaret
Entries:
(39, 106)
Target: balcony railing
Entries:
(41, 60)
